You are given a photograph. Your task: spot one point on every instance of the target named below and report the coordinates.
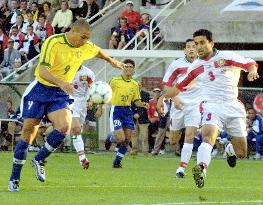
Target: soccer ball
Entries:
(100, 92)
(258, 102)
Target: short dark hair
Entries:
(129, 61)
(203, 32)
(188, 40)
(42, 16)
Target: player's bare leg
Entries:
(30, 127)
(78, 142)
(186, 152)
(209, 135)
(237, 148)
(61, 120)
(175, 136)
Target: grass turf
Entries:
(142, 180)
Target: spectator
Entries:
(3, 43)
(88, 9)
(35, 11)
(23, 9)
(17, 37)
(153, 117)
(141, 124)
(31, 21)
(30, 45)
(10, 54)
(44, 29)
(251, 138)
(121, 35)
(47, 10)
(258, 133)
(20, 24)
(145, 27)
(133, 17)
(63, 18)
(11, 18)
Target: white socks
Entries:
(186, 154)
(79, 146)
(204, 154)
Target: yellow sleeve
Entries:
(112, 84)
(137, 94)
(91, 50)
(48, 50)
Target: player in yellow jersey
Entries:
(60, 58)
(125, 90)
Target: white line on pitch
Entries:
(209, 202)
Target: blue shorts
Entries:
(39, 100)
(121, 117)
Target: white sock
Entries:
(230, 149)
(186, 154)
(79, 147)
(204, 154)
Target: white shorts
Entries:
(79, 109)
(229, 116)
(188, 116)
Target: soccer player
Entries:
(186, 114)
(49, 94)
(124, 91)
(218, 72)
(81, 82)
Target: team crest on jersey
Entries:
(221, 63)
(78, 54)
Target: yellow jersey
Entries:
(124, 91)
(62, 59)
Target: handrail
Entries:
(163, 19)
(102, 11)
(24, 66)
(135, 40)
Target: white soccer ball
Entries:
(100, 92)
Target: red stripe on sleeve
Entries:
(236, 64)
(174, 75)
(190, 77)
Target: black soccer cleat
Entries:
(232, 160)
(199, 175)
(180, 175)
(117, 165)
(107, 143)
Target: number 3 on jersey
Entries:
(211, 76)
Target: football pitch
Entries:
(142, 180)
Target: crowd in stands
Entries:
(129, 23)
(24, 26)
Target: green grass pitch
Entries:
(142, 180)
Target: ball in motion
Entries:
(258, 103)
(100, 92)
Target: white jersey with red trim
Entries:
(218, 76)
(81, 84)
(176, 72)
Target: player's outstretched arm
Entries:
(115, 63)
(45, 74)
(252, 73)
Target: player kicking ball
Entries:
(49, 94)
(218, 73)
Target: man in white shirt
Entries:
(218, 72)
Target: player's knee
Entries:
(63, 128)
(76, 130)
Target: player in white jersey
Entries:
(185, 112)
(218, 72)
(81, 82)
